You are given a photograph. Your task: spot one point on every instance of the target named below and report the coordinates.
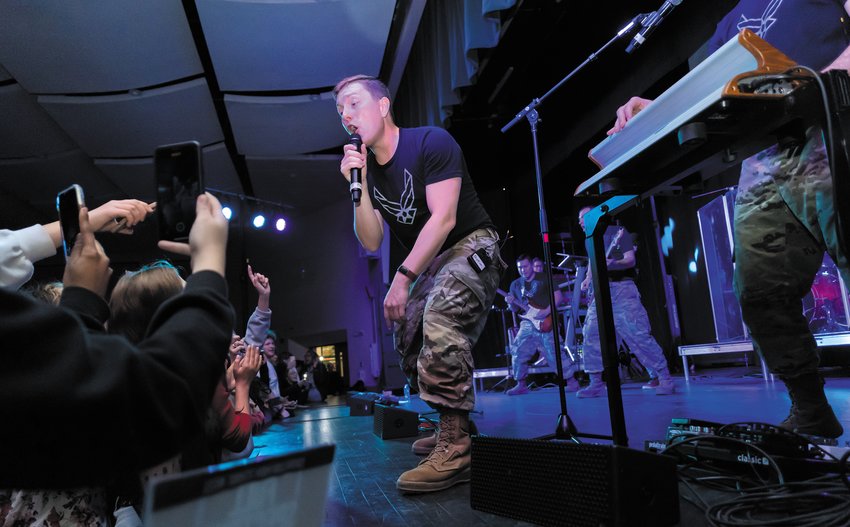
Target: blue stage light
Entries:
(227, 212)
(258, 221)
(280, 224)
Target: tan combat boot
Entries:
(423, 446)
(448, 463)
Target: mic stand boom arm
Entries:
(565, 429)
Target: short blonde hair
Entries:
(373, 85)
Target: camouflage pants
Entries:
(631, 324)
(526, 343)
(784, 220)
(444, 316)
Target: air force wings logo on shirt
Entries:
(760, 26)
(402, 210)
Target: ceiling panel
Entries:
(267, 45)
(88, 47)
(304, 183)
(219, 172)
(133, 125)
(26, 130)
(282, 126)
(45, 177)
(136, 176)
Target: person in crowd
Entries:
(21, 248)
(238, 348)
(630, 319)
(48, 292)
(87, 506)
(416, 180)
(530, 297)
(316, 376)
(135, 299)
(784, 209)
(275, 403)
(537, 265)
(293, 386)
(81, 374)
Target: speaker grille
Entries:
(502, 476)
(564, 484)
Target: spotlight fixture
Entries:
(239, 208)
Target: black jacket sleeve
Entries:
(80, 406)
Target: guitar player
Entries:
(630, 319)
(529, 298)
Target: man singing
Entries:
(416, 180)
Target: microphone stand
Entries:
(565, 428)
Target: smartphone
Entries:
(68, 205)
(179, 181)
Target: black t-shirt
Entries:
(811, 33)
(424, 156)
(617, 244)
(534, 291)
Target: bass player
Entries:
(529, 297)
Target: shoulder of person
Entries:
(432, 134)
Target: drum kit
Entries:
(826, 314)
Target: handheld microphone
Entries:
(649, 24)
(356, 186)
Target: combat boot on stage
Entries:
(596, 388)
(520, 388)
(448, 463)
(665, 383)
(811, 413)
(424, 446)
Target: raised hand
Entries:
(245, 367)
(263, 287)
(207, 239)
(237, 346)
(88, 265)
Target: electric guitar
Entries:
(614, 243)
(530, 312)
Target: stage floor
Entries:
(363, 492)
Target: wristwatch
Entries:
(408, 273)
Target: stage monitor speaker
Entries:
(393, 423)
(363, 404)
(568, 484)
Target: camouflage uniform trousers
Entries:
(631, 324)
(526, 342)
(784, 220)
(444, 316)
